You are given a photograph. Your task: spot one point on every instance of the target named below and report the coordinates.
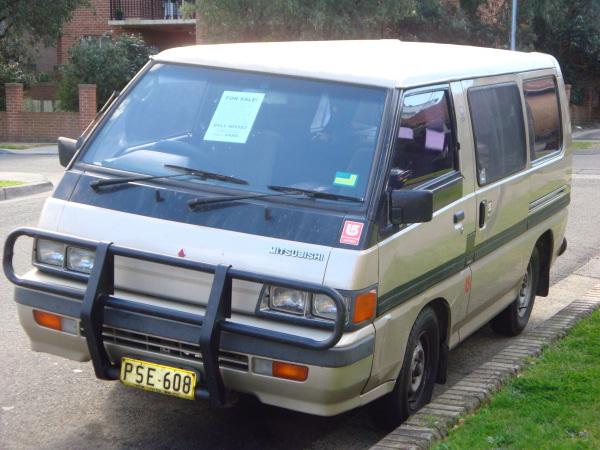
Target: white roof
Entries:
(388, 63)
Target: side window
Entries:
(425, 146)
(498, 129)
(543, 114)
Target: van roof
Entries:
(387, 63)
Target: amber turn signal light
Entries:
(48, 320)
(289, 371)
(365, 306)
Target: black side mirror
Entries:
(66, 150)
(408, 206)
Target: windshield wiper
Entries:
(283, 191)
(203, 175)
(315, 194)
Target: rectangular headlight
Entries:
(324, 306)
(288, 300)
(80, 259)
(50, 252)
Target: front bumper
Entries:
(221, 350)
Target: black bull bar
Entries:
(100, 290)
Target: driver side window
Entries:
(425, 146)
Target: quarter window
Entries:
(498, 129)
(543, 115)
(425, 146)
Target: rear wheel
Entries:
(513, 320)
(414, 385)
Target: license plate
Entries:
(158, 378)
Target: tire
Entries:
(513, 320)
(413, 390)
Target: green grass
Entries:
(585, 145)
(553, 404)
(19, 146)
(8, 183)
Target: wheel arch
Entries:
(443, 313)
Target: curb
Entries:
(8, 193)
(433, 421)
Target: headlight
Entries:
(80, 259)
(288, 300)
(50, 252)
(324, 306)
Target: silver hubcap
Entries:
(417, 368)
(525, 293)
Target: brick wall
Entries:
(17, 125)
(90, 20)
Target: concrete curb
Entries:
(434, 420)
(8, 193)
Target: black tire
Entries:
(513, 320)
(395, 407)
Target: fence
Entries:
(18, 125)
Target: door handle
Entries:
(482, 213)
(459, 216)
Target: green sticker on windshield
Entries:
(345, 179)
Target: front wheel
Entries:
(513, 320)
(414, 385)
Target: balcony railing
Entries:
(146, 9)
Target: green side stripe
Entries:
(423, 282)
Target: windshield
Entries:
(264, 129)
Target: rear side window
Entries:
(498, 129)
(543, 116)
(425, 146)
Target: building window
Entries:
(543, 116)
(425, 145)
(101, 41)
(498, 129)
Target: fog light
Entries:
(55, 322)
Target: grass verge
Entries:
(19, 146)
(9, 183)
(578, 146)
(553, 404)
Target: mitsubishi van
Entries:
(316, 224)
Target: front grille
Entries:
(170, 347)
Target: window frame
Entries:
(559, 151)
(439, 181)
(525, 135)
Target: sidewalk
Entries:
(33, 184)
(586, 134)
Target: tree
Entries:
(569, 30)
(25, 22)
(267, 20)
(107, 65)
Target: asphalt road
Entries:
(49, 402)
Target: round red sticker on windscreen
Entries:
(351, 232)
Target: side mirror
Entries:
(66, 150)
(408, 206)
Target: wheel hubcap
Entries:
(417, 368)
(525, 293)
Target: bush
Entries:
(107, 65)
(12, 73)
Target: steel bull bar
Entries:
(99, 294)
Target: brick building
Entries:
(159, 22)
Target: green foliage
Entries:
(569, 30)
(267, 20)
(107, 65)
(12, 73)
(25, 22)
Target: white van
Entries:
(313, 223)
